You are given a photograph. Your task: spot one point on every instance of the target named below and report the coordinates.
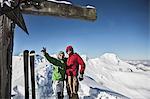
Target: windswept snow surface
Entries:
(106, 77)
(59, 1)
(89, 6)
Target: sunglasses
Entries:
(68, 50)
(62, 55)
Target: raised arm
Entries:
(52, 60)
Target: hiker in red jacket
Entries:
(73, 62)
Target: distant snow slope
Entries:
(106, 77)
(137, 62)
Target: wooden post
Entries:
(6, 49)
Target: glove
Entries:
(80, 77)
(43, 50)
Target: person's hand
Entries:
(43, 50)
(80, 77)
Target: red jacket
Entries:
(73, 63)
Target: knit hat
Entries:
(61, 52)
(69, 48)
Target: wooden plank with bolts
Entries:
(48, 8)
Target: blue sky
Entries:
(121, 27)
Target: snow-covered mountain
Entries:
(137, 62)
(106, 77)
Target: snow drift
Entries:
(106, 77)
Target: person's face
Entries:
(61, 56)
(69, 52)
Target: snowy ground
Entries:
(106, 77)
